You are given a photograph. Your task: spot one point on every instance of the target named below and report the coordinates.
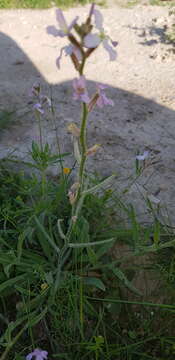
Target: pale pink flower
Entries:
(93, 40)
(37, 354)
(80, 91)
(102, 99)
(64, 28)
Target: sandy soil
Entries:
(141, 84)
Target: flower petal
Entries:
(102, 99)
(38, 108)
(29, 357)
(114, 43)
(154, 199)
(85, 98)
(68, 49)
(59, 58)
(61, 21)
(44, 354)
(92, 40)
(101, 86)
(52, 30)
(112, 53)
(100, 102)
(65, 29)
(38, 354)
(142, 157)
(107, 101)
(98, 19)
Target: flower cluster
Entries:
(80, 49)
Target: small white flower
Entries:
(154, 199)
(143, 157)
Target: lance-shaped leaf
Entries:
(92, 281)
(121, 276)
(77, 150)
(99, 186)
(60, 229)
(93, 243)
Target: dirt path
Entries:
(141, 84)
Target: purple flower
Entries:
(69, 50)
(64, 28)
(42, 99)
(38, 354)
(80, 91)
(102, 99)
(38, 107)
(93, 40)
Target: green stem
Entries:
(82, 66)
(40, 130)
(43, 182)
(83, 144)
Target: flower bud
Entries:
(72, 194)
(93, 102)
(73, 129)
(93, 149)
(74, 219)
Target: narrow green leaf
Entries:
(21, 239)
(121, 276)
(135, 228)
(99, 186)
(12, 281)
(93, 243)
(51, 242)
(92, 281)
(104, 249)
(92, 258)
(60, 229)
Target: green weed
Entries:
(40, 4)
(162, 2)
(71, 252)
(77, 311)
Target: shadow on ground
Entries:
(133, 125)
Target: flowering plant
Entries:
(82, 43)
